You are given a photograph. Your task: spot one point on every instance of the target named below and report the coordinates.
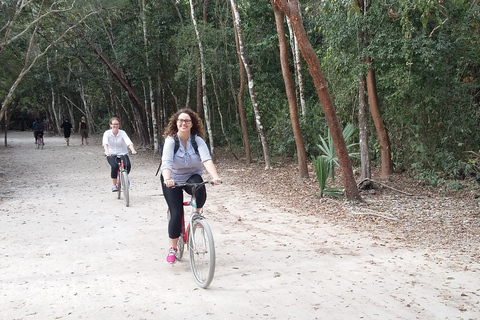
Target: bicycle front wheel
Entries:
(202, 252)
(126, 187)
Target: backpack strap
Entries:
(192, 141)
(177, 146)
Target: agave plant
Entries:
(322, 170)
(328, 150)
(326, 162)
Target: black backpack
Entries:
(175, 149)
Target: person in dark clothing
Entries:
(83, 130)
(67, 130)
(38, 128)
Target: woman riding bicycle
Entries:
(116, 143)
(184, 165)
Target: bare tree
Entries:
(251, 90)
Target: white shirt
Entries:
(116, 144)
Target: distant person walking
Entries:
(83, 130)
(67, 130)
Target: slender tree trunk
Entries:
(204, 80)
(366, 172)
(387, 165)
(241, 108)
(290, 91)
(150, 81)
(258, 122)
(298, 69)
(222, 126)
(198, 69)
(362, 119)
(291, 10)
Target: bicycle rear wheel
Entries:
(126, 187)
(202, 252)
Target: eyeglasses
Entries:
(186, 121)
(115, 124)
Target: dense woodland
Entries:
(272, 78)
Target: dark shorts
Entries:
(84, 133)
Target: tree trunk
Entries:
(291, 10)
(290, 91)
(199, 85)
(204, 80)
(298, 69)
(258, 121)
(362, 120)
(387, 165)
(241, 109)
(150, 81)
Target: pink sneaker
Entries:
(172, 255)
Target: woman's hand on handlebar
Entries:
(169, 183)
(217, 180)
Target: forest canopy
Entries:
(417, 61)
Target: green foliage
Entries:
(327, 148)
(327, 161)
(427, 69)
(322, 170)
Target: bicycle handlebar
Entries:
(194, 184)
(119, 155)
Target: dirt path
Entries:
(70, 250)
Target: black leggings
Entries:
(113, 163)
(174, 198)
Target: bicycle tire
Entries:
(126, 188)
(119, 184)
(202, 252)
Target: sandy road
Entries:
(70, 250)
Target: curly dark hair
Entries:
(197, 124)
